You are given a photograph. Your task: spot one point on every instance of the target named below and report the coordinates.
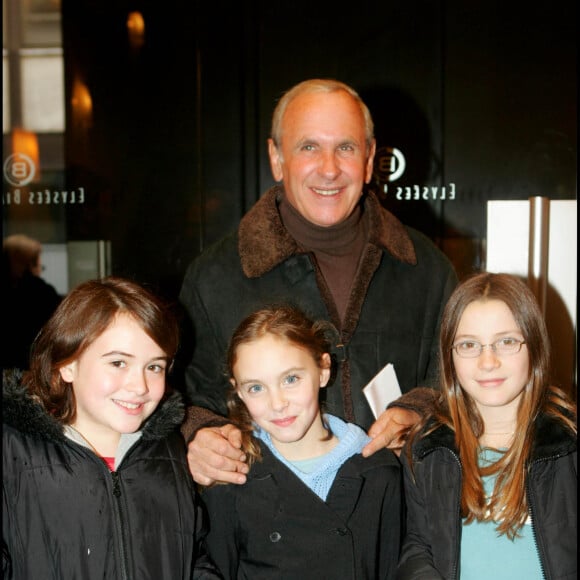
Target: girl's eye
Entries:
(156, 368)
(254, 389)
(468, 345)
(508, 341)
(119, 363)
(291, 379)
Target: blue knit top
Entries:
(319, 473)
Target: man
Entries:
(322, 243)
(28, 301)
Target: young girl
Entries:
(95, 477)
(312, 507)
(491, 479)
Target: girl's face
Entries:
(493, 381)
(118, 382)
(279, 384)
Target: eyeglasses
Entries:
(502, 347)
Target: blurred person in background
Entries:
(28, 301)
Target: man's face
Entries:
(322, 158)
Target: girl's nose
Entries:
(138, 383)
(488, 358)
(279, 402)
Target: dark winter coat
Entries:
(434, 524)
(67, 517)
(25, 308)
(275, 527)
(393, 314)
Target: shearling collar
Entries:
(20, 411)
(264, 241)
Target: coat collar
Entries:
(263, 241)
(551, 439)
(356, 467)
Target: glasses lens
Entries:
(472, 349)
(507, 346)
(468, 349)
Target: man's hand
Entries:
(214, 456)
(390, 430)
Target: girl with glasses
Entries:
(491, 476)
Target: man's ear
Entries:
(370, 162)
(67, 372)
(275, 160)
(325, 369)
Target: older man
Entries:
(323, 243)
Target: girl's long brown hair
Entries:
(456, 409)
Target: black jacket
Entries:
(432, 545)
(393, 314)
(25, 308)
(67, 517)
(275, 528)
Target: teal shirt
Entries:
(485, 554)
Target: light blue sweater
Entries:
(322, 470)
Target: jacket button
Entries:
(275, 537)
(341, 531)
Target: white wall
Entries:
(507, 250)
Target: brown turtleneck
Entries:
(337, 249)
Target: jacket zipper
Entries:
(118, 516)
(117, 509)
(458, 519)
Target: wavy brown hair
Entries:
(287, 323)
(83, 315)
(455, 408)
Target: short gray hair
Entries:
(318, 86)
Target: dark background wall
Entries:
(481, 95)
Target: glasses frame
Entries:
(491, 345)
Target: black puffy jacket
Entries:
(431, 548)
(67, 517)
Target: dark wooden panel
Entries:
(479, 95)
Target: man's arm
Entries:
(211, 314)
(213, 445)
(214, 452)
(391, 428)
